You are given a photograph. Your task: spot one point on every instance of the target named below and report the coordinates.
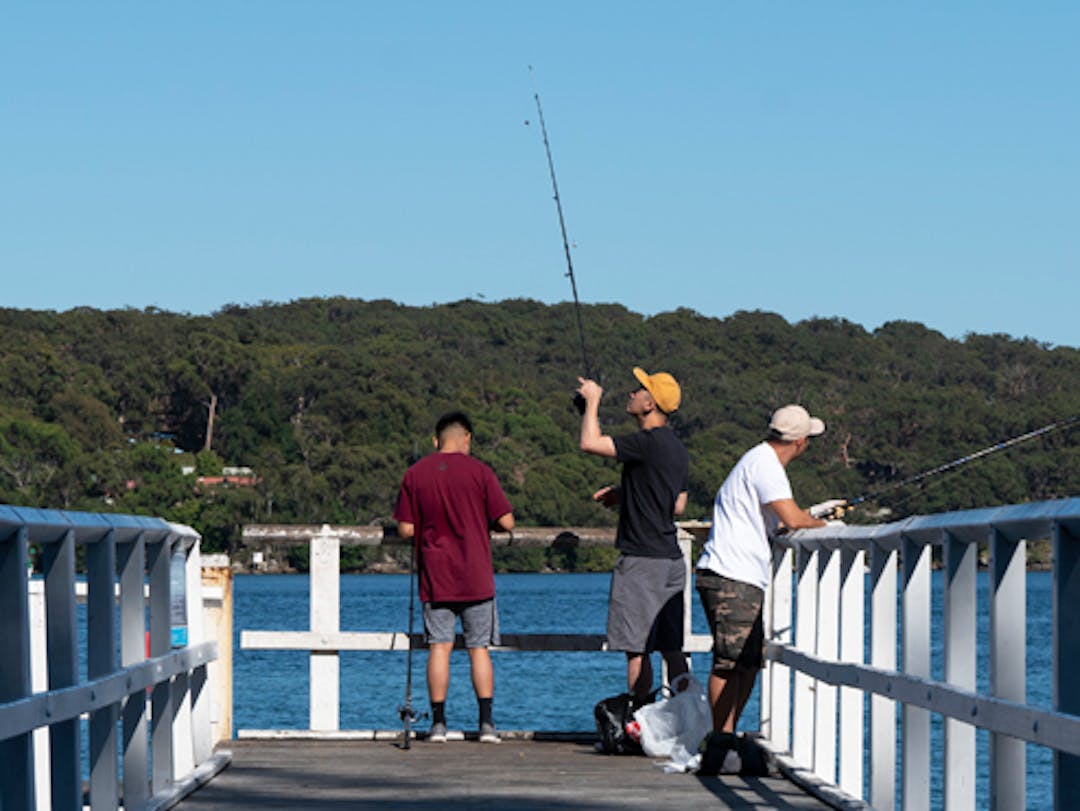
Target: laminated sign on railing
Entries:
(142, 682)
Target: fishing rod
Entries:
(873, 495)
(579, 401)
(408, 715)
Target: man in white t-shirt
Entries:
(736, 565)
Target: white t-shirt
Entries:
(738, 545)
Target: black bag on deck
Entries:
(612, 715)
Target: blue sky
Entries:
(867, 161)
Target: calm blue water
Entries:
(541, 691)
(1039, 688)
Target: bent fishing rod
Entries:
(579, 401)
(873, 495)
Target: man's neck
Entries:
(785, 451)
(654, 419)
(454, 447)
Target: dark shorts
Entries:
(479, 623)
(733, 610)
(645, 605)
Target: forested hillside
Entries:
(327, 400)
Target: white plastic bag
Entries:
(675, 724)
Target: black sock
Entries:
(485, 711)
(438, 712)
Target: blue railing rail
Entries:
(817, 675)
(151, 568)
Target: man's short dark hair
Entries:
(453, 418)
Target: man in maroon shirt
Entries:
(448, 503)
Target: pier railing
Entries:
(840, 662)
(817, 675)
(144, 688)
(325, 640)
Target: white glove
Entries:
(827, 507)
(835, 522)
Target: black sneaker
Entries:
(719, 754)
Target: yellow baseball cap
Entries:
(663, 387)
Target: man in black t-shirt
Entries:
(645, 609)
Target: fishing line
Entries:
(579, 401)
(876, 493)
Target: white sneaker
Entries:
(488, 734)
(437, 733)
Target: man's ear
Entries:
(435, 442)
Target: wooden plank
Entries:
(524, 775)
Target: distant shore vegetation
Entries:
(310, 412)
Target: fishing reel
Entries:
(832, 510)
(409, 717)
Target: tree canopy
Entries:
(327, 401)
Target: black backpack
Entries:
(612, 715)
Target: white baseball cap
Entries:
(794, 422)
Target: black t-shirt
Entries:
(656, 468)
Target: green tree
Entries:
(33, 458)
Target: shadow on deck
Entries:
(519, 775)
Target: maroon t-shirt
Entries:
(452, 499)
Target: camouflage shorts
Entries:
(734, 613)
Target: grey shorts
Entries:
(479, 623)
(733, 610)
(645, 606)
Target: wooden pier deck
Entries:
(523, 775)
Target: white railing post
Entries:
(39, 669)
(202, 744)
(16, 753)
(161, 706)
(883, 572)
(959, 634)
(1066, 655)
(915, 748)
(802, 721)
(185, 559)
(686, 549)
(852, 630)
(1008, 656)
(325, 579)
(131, 560)
(218, 606)
(776, 712)
(100, 662)
(62, 668)
(827, 647)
